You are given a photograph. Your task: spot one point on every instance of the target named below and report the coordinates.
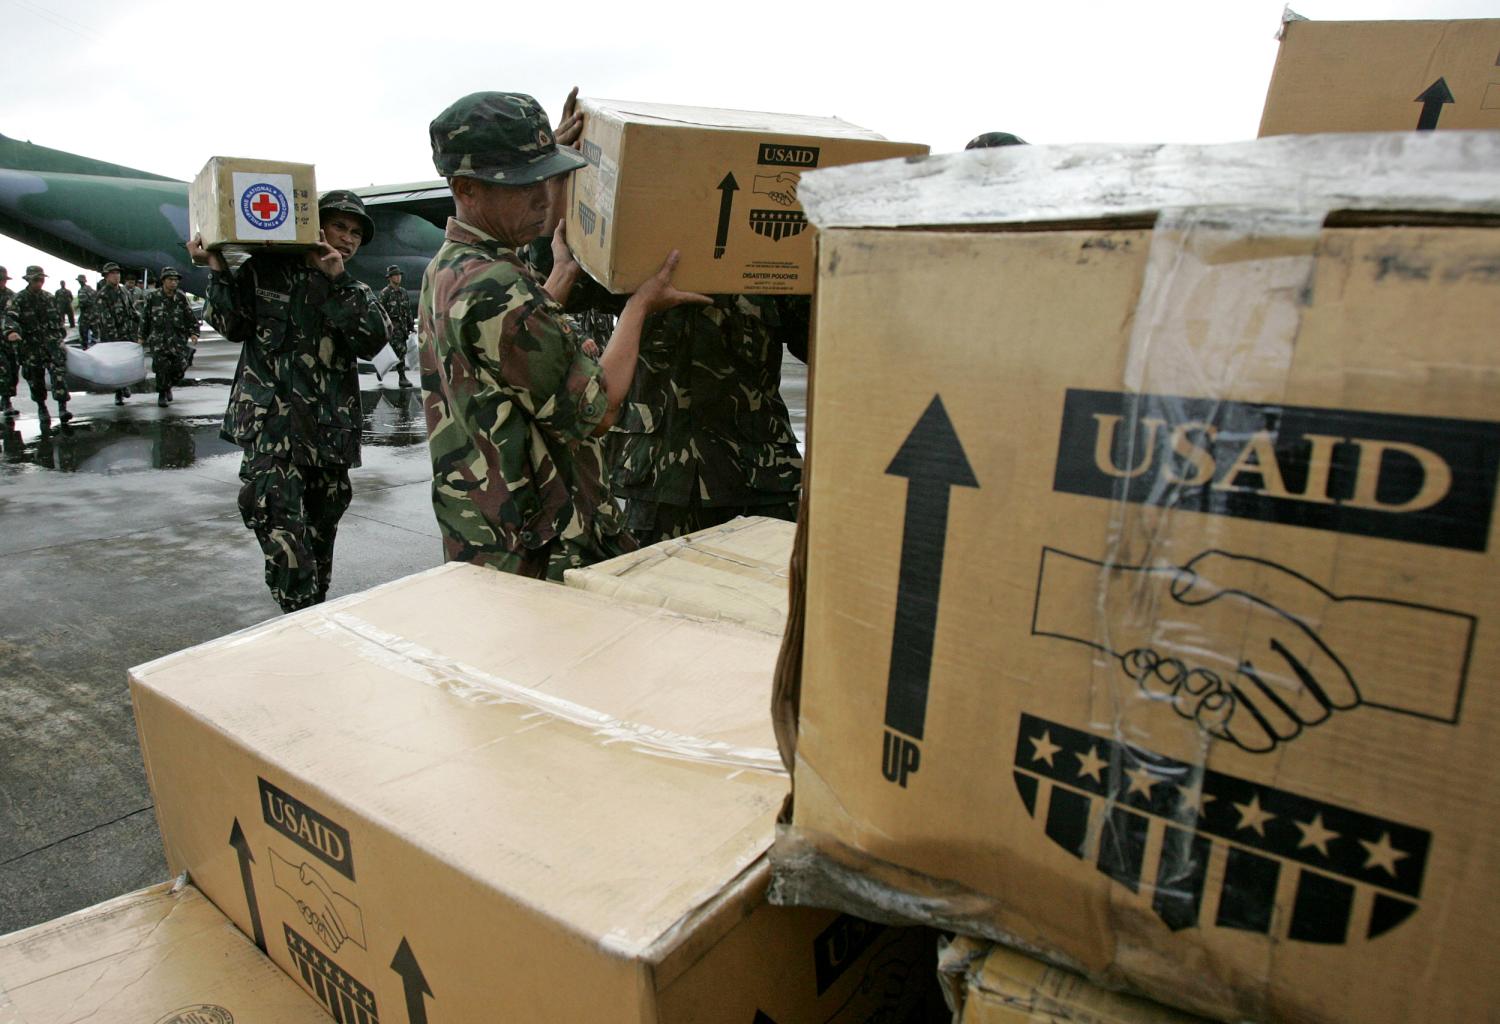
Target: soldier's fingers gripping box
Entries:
(720, 186)
(1152, 604)
(237, 201)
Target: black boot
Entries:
(169, 395)
(120, 395)
(63, 415)
(401, 379)
(161, 400)
(8, 409)
(42, 413)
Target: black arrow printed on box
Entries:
(1433, 99)
(726, 204)
(242, 851)
(933, 462)
(413, 981)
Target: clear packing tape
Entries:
(1235, 231)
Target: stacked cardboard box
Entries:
(733, 573)
(163, 954)
(1377, 76)
(483, 797)
(1152, 591)
(720, 186)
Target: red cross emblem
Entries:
(264, 206)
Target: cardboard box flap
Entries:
(1443, 172)
(164, 953)
(736, 573)
(659, 789)
(733, 120)
(988, 984)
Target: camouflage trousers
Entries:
(294, 511)
(653, 521)
(10, 370)
(168, 364)
(38, 365)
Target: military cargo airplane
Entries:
(89, 212)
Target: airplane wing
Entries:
(88, 212)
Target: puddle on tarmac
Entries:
(122, 443)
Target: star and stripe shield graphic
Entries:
(1212, 849)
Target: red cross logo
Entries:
(264, 206)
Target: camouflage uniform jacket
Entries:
(398, 308)
(705, 411)
(168, 322)
(7, 322)
(512, 403)
(296, 389)
(35, 314)
(115, 315)
(64, 300)
(86, 297)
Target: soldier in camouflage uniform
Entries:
(398, 308)
(115, 315)
(86, 327)
(304, 322)
(10, 360)
(40, 345)
(169, 329)
(705, 435)
(64, 300)
(514, 405)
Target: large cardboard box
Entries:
(478, 797)
(163, 954)
(1152, 595)
(1379, 76)
(736, 573)
(989, 984)
(239, 201)
(718, 185)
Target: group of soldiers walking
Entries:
(34, 323)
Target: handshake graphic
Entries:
(1252, 651)
(782, 188)
(334, 918)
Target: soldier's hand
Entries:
(201, 256)
(326, 258)
(570, 124)
(657, 294)
(591, 347)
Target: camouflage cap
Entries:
(110, 268)
(4, 274)
(502, 137)
(167, 272)
(344, 201)
(34, 273)
(392, 269)
(990, 140)
(82, 279)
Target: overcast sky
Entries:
(163, 86)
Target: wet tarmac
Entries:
(120, 542)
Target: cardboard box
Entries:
(489, 798)
(718, 185)
(162, 954)
(263, 203)
(1152, 591)
(1384, 76)
(732, 573)
(989, 984)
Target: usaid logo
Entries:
(264, 205)
(318, 835)
(772, 155)
(1418, 479)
